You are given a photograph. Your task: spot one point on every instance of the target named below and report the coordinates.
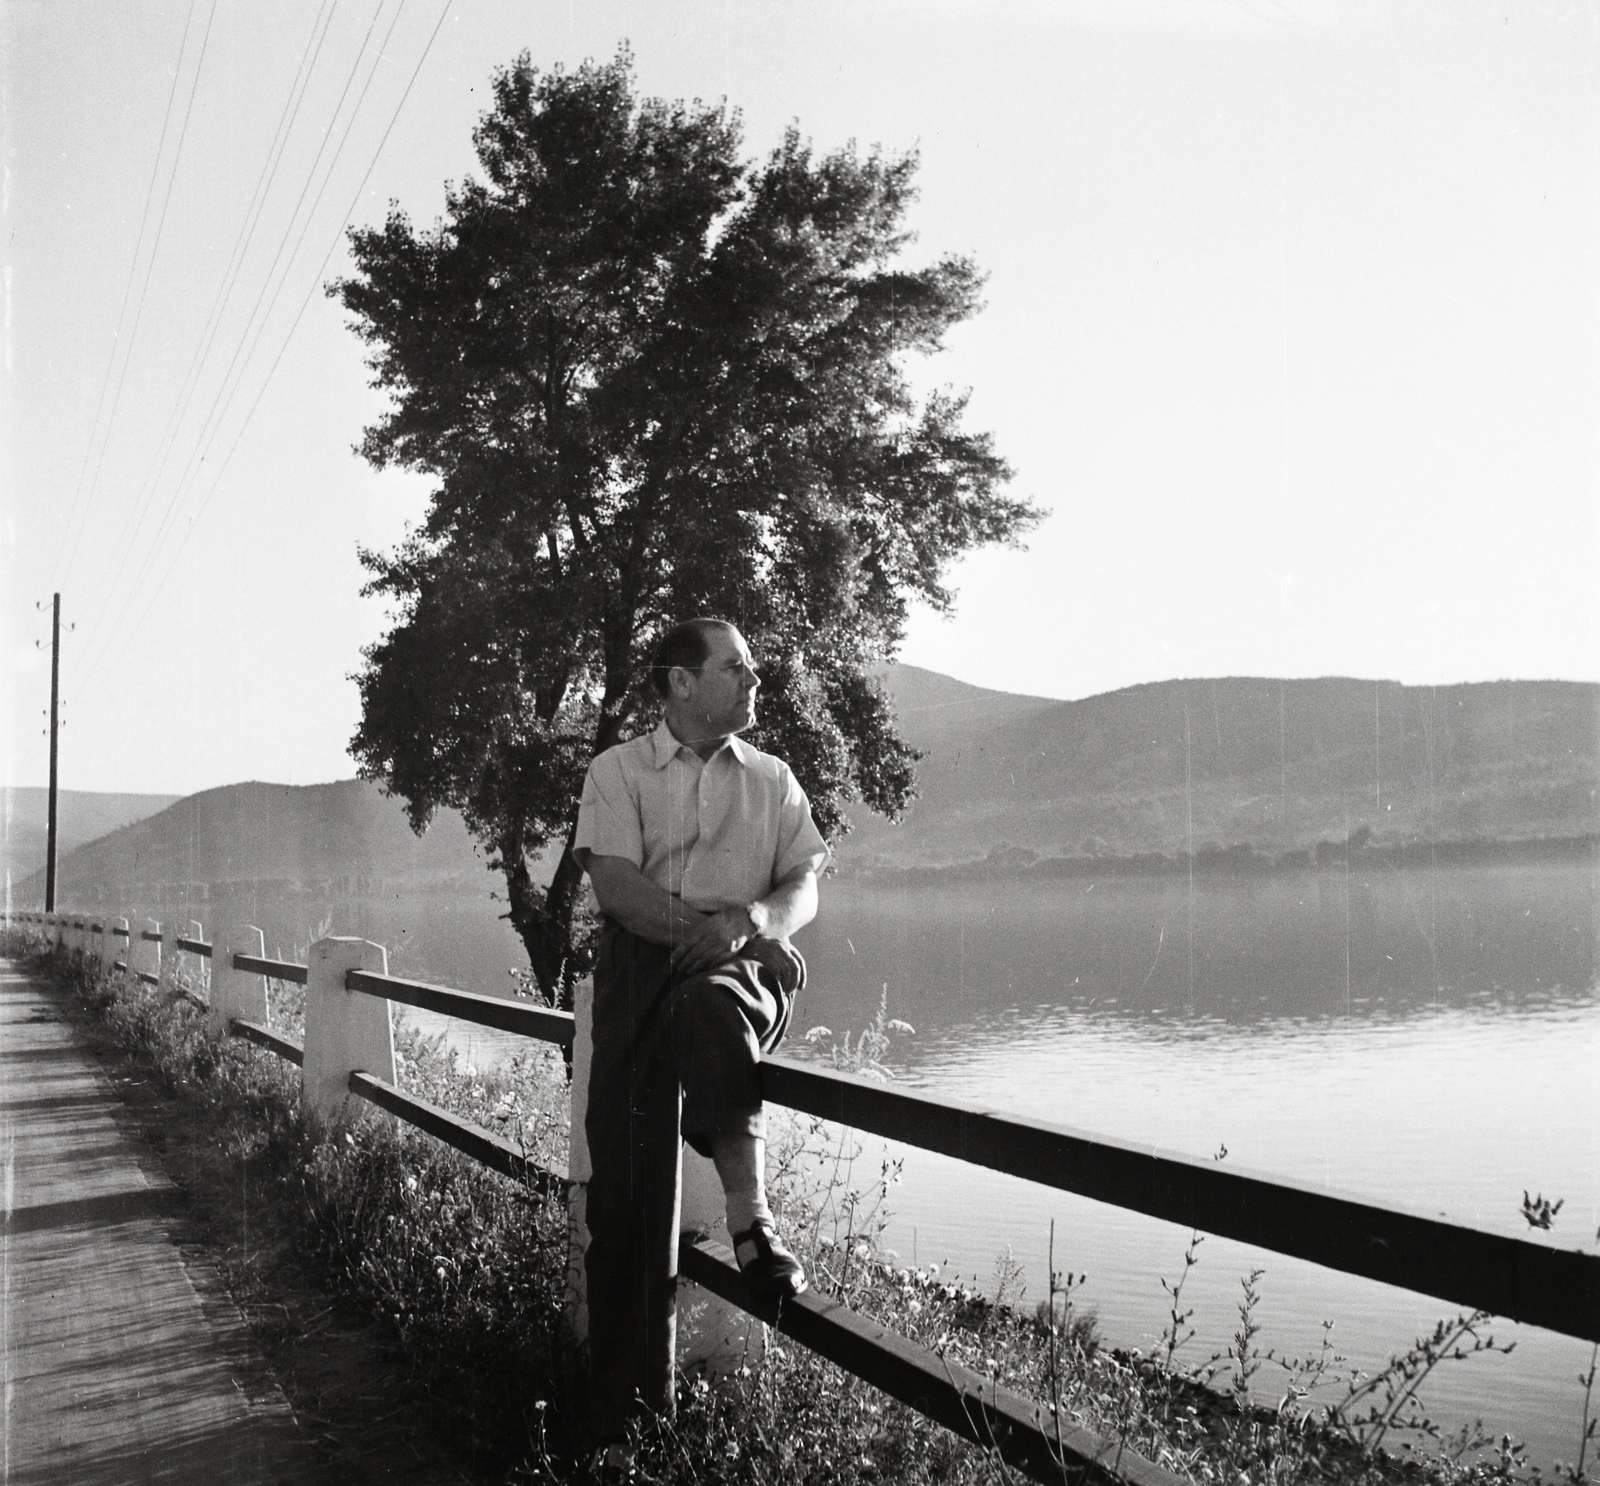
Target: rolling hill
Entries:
(341, 838)
(1274, 765)
(81, 816)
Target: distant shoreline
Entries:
(1004, 863)
(1011, 864)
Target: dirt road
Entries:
(122, 1362)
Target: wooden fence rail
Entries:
(1529, 1282)
(519, 1017)
(1535, 1283)
(285, 970)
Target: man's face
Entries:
(720, 696)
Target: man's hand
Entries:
(716, 937)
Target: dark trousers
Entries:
(670, 1056)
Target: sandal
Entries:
(769, 1269)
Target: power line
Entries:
(225, 395)
(223, 400)
(155, 249)
(134, 519)
(133, 269)
(129, 634)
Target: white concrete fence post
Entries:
(121, 943)
(346, 1031)
(146, 963)
(195, 965)
(236, 995)
(97, 942)
(711, 1333)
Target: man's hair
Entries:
(682, 645)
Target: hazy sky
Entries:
(1292, 327)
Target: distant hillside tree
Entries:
(652, 380)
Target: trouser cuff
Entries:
(700, 1127)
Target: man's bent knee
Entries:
(718, 1057)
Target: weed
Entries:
(1540, 1211)
(1586, 1427)
(872, 1044)
(1180, 1329)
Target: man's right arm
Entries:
(639, 905)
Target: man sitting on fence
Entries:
(704, 858)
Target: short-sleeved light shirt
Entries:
(718, 834)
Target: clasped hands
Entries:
(702, 941)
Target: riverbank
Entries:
(442, 1285)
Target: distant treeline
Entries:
(1008, 862)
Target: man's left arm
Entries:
(791, 905)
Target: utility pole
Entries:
(55, 703)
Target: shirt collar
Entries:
(666, 747)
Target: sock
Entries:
(740, 1162)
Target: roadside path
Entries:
(120, 1366)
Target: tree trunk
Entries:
(522, 898)
(543, 918)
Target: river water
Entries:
(1426, 1037)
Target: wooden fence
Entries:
(349, 1050)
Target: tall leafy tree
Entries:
(652, 380)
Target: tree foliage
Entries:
(651, 380)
